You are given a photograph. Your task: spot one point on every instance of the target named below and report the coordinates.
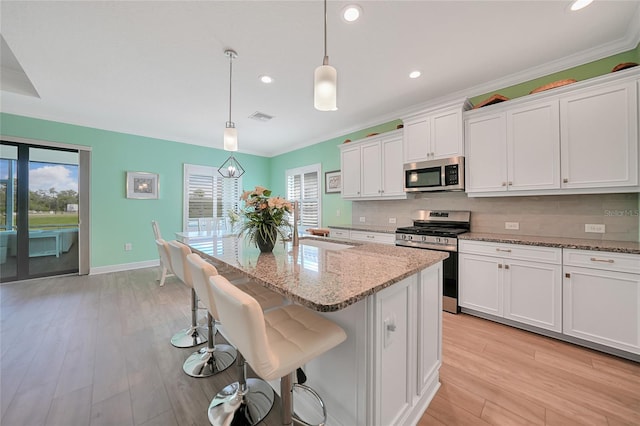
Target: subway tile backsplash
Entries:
(548, 216)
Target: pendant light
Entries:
(231, 168)
(325, 79)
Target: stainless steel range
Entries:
(439, 230)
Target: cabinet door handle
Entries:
(510, 183)
(567, 275)
(565, 180)
(391, 327)
(593, 259)
(506, 266)
(504, 183)
(370, 236)
(503, 250)
(499, 266)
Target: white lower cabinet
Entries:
(516, 282)
(600, 303)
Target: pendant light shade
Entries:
(325, 79)
(230, 138)
(325, 88)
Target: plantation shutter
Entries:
(208, 197)
(303, 185)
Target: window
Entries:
(208, 197)
(303, 185)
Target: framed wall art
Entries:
(142, 185)
(332, 182)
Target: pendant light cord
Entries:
(230, 75)
(325, 61)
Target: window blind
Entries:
(208, 197)
(303, 185)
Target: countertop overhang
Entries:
(324, 279)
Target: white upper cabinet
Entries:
(433, 135)
(533, 153)
(576, 139)
(600, 137)
(350, 174)
(372, 167)
(486, 153)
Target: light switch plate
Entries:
(512, 225)
(594, 227)
(362, 219)
(392, 220)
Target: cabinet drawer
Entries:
(604, 260)
(373, 237)
(339, 233)
(512, 251)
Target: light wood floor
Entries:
(95, 351)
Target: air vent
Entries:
(260, 116)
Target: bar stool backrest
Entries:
(200, 273)
(178, 253)
(163, 251)
(156, 229)
(244, 325)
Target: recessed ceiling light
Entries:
(415, 74)
(266, 79)
(580, 4)
(351, 12)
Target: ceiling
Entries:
(158, 69)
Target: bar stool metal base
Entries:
(231, 406)
(207, 362)
(190, 337)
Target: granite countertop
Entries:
(629, 247)
(367, 228)
(324, 279)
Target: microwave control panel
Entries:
(451, 174)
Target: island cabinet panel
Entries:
(394, 361)
(388, 368)
(601, 304)
(429, 330)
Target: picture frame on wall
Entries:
(142, 185)
(332, 182)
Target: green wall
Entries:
(582, 72)
(328, 155)
(116, 220)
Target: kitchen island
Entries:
(387, 299)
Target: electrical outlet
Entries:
(338, 213)
(128, 247)
(512, 225)
(594, 227)
(362, 219)
(392, 220)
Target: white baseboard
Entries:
(124, 267)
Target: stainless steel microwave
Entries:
(446, 174)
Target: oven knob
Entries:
(437, 239)
(409, 237)
(446, 240)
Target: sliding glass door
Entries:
(39, 207)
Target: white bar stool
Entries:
(215, 357)
(195, 334)
(165, 261)
(275, 344)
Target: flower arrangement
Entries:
(265, 217)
